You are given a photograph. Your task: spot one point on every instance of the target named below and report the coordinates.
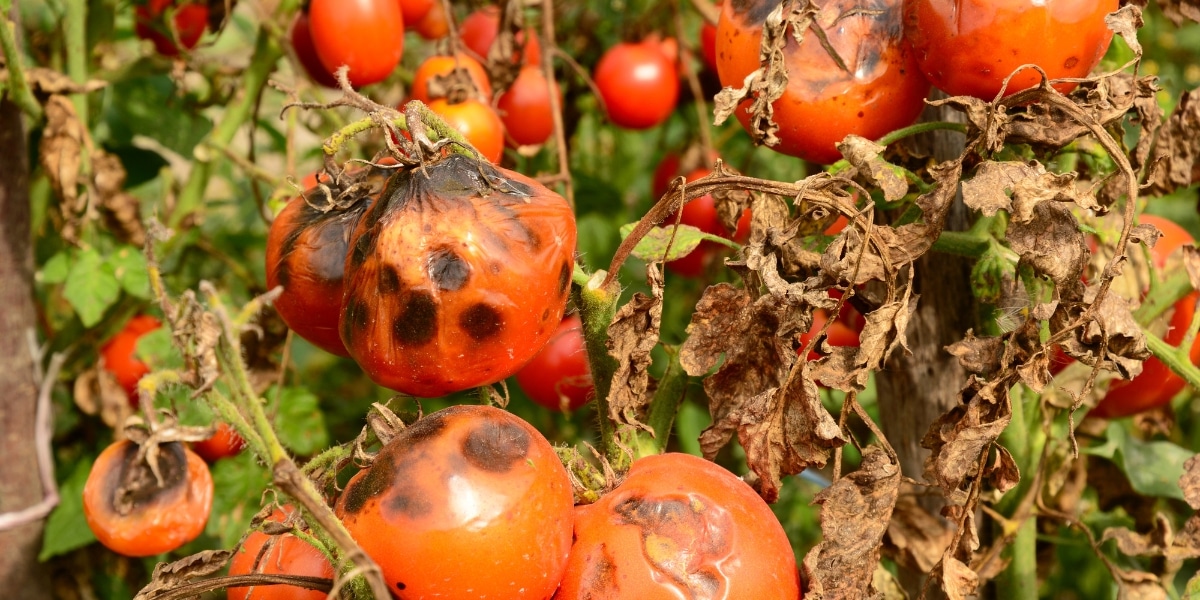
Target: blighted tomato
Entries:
(639, 84)
(457, 275)
(679, 527)
(120, 358)
(467, 481)
(287, 555)
(131, 514)
(559, 376)
(970, 46)
(880, 89)
(441, 66)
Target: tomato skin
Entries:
(840, 334)
(708, 45)
(968, 47)
(191, 19)
(289, 555)
(159, 520)
(559, 376)
(679, 527)
(225, 442)
(477, 121)
(479, 30)
(456, 277)
(701, 213)
(464, 481)
(434, 26)
(823, 104)
(639, 84)
(415, 10)
(306, 53)
(525, 108)
(436, 66)
(367, 35)
(119, 358)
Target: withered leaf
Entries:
(864, 155)
(632, 335)
(714, 326)
(1003, 472)
(1028, 183)
(959, 437)
(915, 537)
(986, 123)
(883, 332)
(1114, 320)
(62, 149)
(48, 82)
(1179, 10)
(958, 580)
(935, 204)
(1126, 22)
(1178, 147)
(96, 391)
(170, 575)
(1190, 482)
(1191, 262)
(1052, 243)
(980, 356)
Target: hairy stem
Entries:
(597, 303)
(18, 86)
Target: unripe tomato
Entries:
(457, 275)
(302, 43)
(434, 26)
(679, 527)
(191, 19)
(439, 66)
(823, 104)
(466, 481)
(559, 377)
(968, 47)
(525, 108)
(131, 515)
(479, 30)
(119, 358)
(477, 121)
(415, 10)
(638, 83)
(701, 213)
(288, 555)
(366, 35)
(225, 442)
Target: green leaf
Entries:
(238, 484)
(652, 246)
(1153, 468)
(67, 529)
(299, 421)
(129, 267)
(91, 287)
(156, 350)
(151, 106)
(55, 270)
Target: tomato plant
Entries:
(464, 481)
(118, 354)
(879, 91)
(477, 121)
(225, 442)
(558, 377)
(128, 510)
(189, 23)
(525, 107)
(970, 47)
(302, 43)
(679, 526)
(638, 83)
(365, 35)
(286, 555)
(441, 66)
(479, 30)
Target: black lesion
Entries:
(448, 270)
(417, 322)
(354, 320)
(389, 280)
(481, 322)
(364, 245)
(496, 446)
(172, 465)
(564, 278)
(377, 481)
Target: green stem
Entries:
(18, 86)
(667, 398)
(1175, 358)
(77, 61)
(229, 413)
(597, 307)
(1019, 580)
(1165, 295)
(919, 128)
(963, 243)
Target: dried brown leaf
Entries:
(980, 356)
(171, 575)
(632, 335)
(916, 538)
(959, 437)
(958, 580)
(864, 155)
(1191, 262)
(883, 332)
(1052, 243)
(1003, 472)
(1126, 344)
(1126, 22)
(1178, 147)
(62, 149)
(1190, 482)
(1029, 185)
(48, 82)
(96, 391)
(1180, 10)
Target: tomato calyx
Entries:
(159, 464)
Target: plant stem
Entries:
(1019, 580)
(1175, 358)
(1165, 295)
(597, 307)
(18, 86)
(667, 398)
(77, 60)
(963, 243)
(919, 128)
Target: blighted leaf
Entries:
(935, 204)
(122, 211)
(61, 151)
(916, 538)
(48, 81)
(1178, 147)
(168, 576)
(1126, 343)
(714, 326)
(884, 333)
(864, 155)
(1189, 482)
(1191, 263)
(1126, 22)
(1029, 185)
(1050, 241)
(1003, 472)
(97, 391)
(959, 437)
(958, 580)
(653, 247)
(632, 335)
(980, 356)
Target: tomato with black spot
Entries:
(679, 526)
(456, 276)
(469, 502)
(283, 554)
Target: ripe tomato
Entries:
(822, 103)
(118, 354)
(131, 515)
(479, 30)
(638, 83)
(434, 26)
(525, 108)
(288, 555)
(456, 276)
(559, 377)
(438, 66)
(224, 442)
(367, 35)
(191, 19)
(708, 45)
(679, 527)
(840, 333)
(1156, 384)
(415, 10)
(477, 121)
(302, 43)
(701, 213)
(970, 46)
(464, 481)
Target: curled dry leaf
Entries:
(1178, 147)
(96, 391)
(632, 335)
(168, 576)
(49, 82)
(1112, 329)
(864, 155)
(1190, 482)
(959, 582)
(62, 149)
(121, 210)
(979, 356)
(916, 538)
(1029, 185)
(1051, 242)
(959, 437)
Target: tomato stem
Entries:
(18, 85)
(1019, 580)
(1178, 359)
(665, 404)
(1162, 297)
(597, 303)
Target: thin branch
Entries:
(42, 435)
(18, 85)
(560, 136)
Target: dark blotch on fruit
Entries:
(496, 446)
(355, 319)
(400, 585)
(363, 246)
(448, 270)
(417, 324)
(389, 280)
(172, 463)
(564, 278)
(377, 480)
(600, 575)
(481, 322)
(329, 263)
(410, 502)
(752, 12)
(1071, 62)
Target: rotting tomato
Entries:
(441, 66)
(287, 555)
(477, 121)
(119, 358)
(701, 213)
(434, 26)
(457, 275)
(968, 47)
(464, 481)
(306, 53)
(366, 35)
(881, 89)
(131, 514)
(479, 30)
(191, 19)
(525, 107)
(559, 377)
(225, 442)
(679, 526)
(638, 83)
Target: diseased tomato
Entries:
(970, 46)
(118, 354)
(559, 377)
(479, 30)
(225, 442)
(434, 26)
(366, 35)
(306, 53)
(477, 121)
(190, 21)
(287, 555)
(440, 66)
(415, 10)
(466, 481)
(128, 511)
(701, 213)
(525, 108)
(638, 83)
(457, 275)
(679, 527)
(881, 91)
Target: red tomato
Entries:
(679, 527)
(822, 103)
(434, 26)
(131, 515)
(467, 481)
(225, 442)
(288, 555)
(438, 66)
(638, 83)
(191, 19)
(416, 10)
(559, 377)
(970, 46)
(708, 45)
(525, 108)
(479, 30)
(118, 354)
(366, 35)
(477, 121)
(701, 213)
(840, 334)
(457, 277)
(302, 43)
